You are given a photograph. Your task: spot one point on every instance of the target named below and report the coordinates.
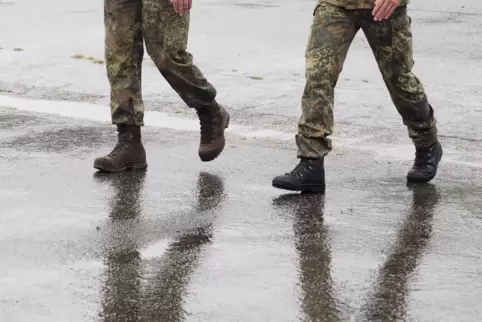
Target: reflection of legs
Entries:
(164, 296)
(124, 50)
(166, 291)
(166, 35)
(391, 42)
(121, 292)
(312, 243)
(388, 301)
(332, 32)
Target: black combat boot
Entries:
(307, 176)
(426, 163)
(128, 153)
(214, 120)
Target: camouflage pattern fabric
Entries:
(357, 4)
(128, 23)
(332, 32)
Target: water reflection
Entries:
(121, 290)
(388, 299)
(172, 272)
(151, 290)
(313, 246)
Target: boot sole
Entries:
(217, 154)
(135, 166)
(430, 178)
(307, 188)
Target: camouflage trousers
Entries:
(332, 31)
(128, 23)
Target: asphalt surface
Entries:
(189, 241)
(215, 242)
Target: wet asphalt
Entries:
(188, 241)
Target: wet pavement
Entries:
(214, 242)
(187, 241)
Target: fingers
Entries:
(182, 6)
(376, 9)
(380, 9)
(388, 12)
(383, 9)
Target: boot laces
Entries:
(422, 158)
(208, 123)
(302, 168)
(121, 145)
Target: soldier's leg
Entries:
(166, 35)
(391, 42)
(331, 34)
(124, 50)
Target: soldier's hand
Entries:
(384, 9)
(182, 6)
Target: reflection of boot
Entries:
(128, 153)
(166, 290)
(312, 244)
(210, 189)
(388, 300)
(302, 206)
(425, 196)
(210, 192)
(126, 202)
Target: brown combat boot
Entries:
(128, 153)
(214, 120)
